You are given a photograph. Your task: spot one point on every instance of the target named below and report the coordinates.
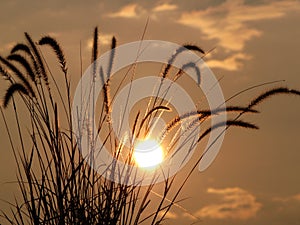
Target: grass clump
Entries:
(57, 185)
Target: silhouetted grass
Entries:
(57, 185)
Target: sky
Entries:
(255, 178)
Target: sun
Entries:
(148, 153)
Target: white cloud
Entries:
(231, 63)
(165, 7)
(228, 23)
(136, 11)
(128, 11)
(235, 203)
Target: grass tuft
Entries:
(56, 183)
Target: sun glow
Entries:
(148, 153)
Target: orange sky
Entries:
(255, 178)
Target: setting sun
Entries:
(148, 153)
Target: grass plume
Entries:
(47, 40)
(20, 59)
(228, 123)
(19, 74)
(20, 47)
(186, 47)
(11, 91)
(38, 59)
(275, 91)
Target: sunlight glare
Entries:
(148, 153)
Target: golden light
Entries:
(148, 153)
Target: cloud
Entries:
(287, 199)
(229, 22)
(231, 25)
(165, 7)
(135, 11)
(169, 215)
(128, 11)
(104, 39)
(296, 197)
(236, 203)
(231, 63)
